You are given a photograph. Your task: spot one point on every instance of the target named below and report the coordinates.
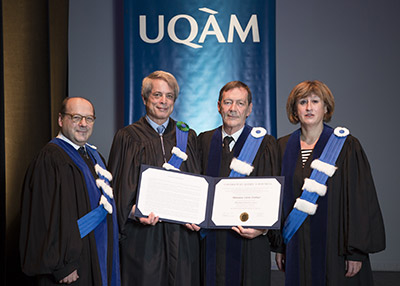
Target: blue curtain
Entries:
(204, 46)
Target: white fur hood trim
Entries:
(241, 167)
(258, 132)
(107, 206)
(178, 152)
(341, 131)
(105, 187)
(314, 187)
(103, 172)
(168, 166)
(305, 206)
(91, 146)
(323, 167)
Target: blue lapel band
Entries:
(182, 132)
(90, 221)
(329, 155)
(289, 163)
(248, 152)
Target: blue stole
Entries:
(182, 133)
(318, 221)
(100, 232)
(245, 149)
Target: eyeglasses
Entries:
(76, 118)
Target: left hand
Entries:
(249, 233)
(70, 278)
(353, 267)
(192, 227)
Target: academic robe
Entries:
(239, 261)
(54, 197)
(164, 254)
(347, 225)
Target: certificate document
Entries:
(247, 202)
(209, 202)
(173, 195)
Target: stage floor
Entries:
(381, 278)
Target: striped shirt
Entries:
(305, 154)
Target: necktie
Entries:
(82, 152)
(225, 145)
(85, 156)
(160, 130)
(226, 157)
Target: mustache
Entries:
(232, 113)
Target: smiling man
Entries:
(61, 187)
(153, 252)
(240, 256)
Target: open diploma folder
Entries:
(209, 202)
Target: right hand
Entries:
(152, 219)
(280, 260)
(70, 278)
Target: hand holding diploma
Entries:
(193, 227)
(249, 233)
(152, 219)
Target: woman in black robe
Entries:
(332, 246)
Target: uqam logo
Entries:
(211, 28)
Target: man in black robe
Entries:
(239, 256)
(153, 252)
(60, 188)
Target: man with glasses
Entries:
(69, 229)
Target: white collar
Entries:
(235, 135)
(62, 137)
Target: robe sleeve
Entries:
(50, 242)
(268, 165)
(203, 146)
(362, 223)
(124, 165)
(192, 165)
(267, 158)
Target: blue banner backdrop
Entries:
(204, 46)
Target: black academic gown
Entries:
(349, 215)
(164, 254)
(54, 197)
(255, 257)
